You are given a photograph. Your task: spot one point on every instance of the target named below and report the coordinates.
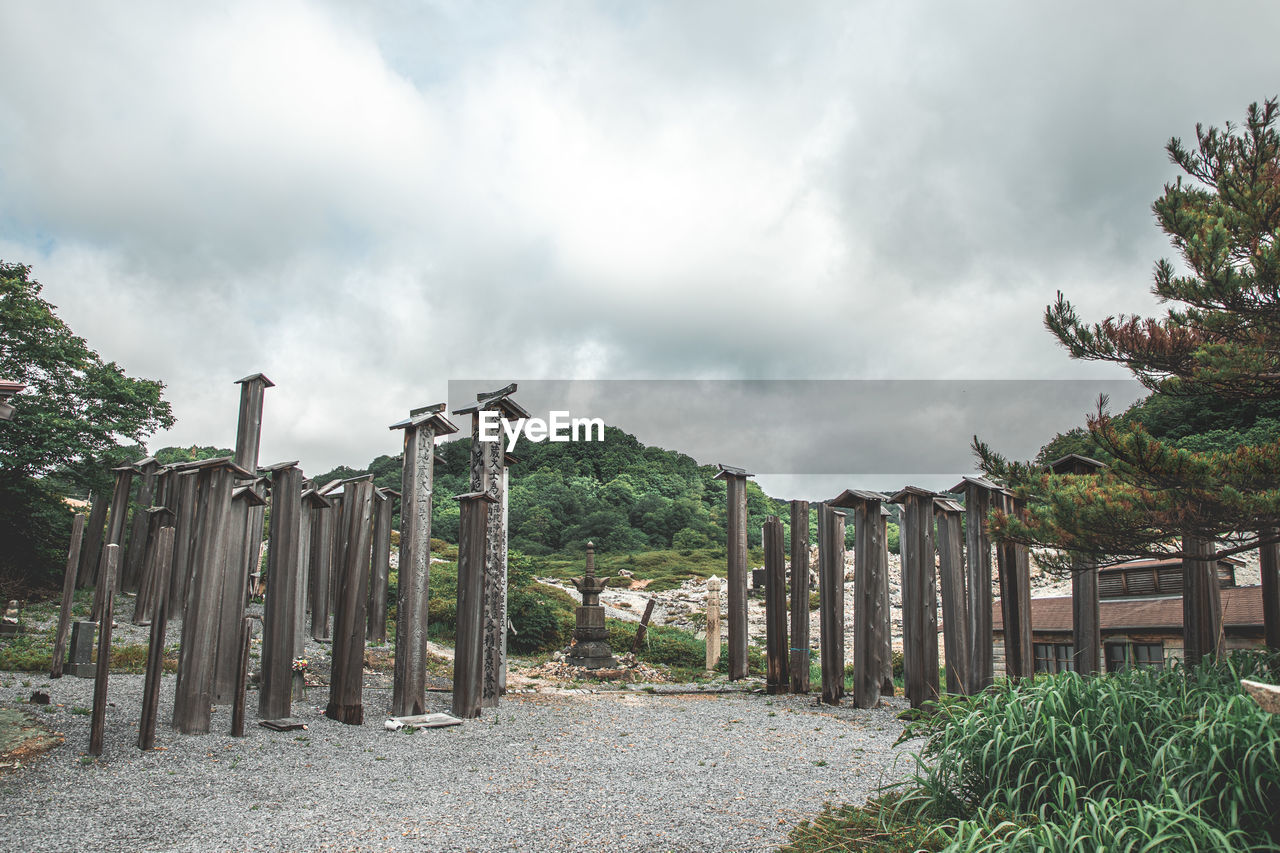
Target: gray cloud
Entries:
(365, 202)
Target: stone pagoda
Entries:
(590, 647)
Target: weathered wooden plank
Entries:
(736, 574)
(831, 528)
(1015, 602)
(1201, 600)
(279, 611)
(242, 677)
(193, 693)
(886, 650)
(322, 523)
(919, 597)
(155, 647)
(149, 471)
(235, 587)
(1086, 624)
(799, 645)
(775, 604)
(116, 518)
(643, 628)
(977, 506)
(97, 721)
(408, 694)
(384, 505)
(186, 516)
(1268, 562)
(349, 615)
(713, 623)
(91, 551)
(955, 616)
(68, 593)
(870, 619)
(157, 517)
(468, 670)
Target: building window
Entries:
(1053, 657)
(1121, 655)
(1117, 656)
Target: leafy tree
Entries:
(1218, 344)
(76, 408)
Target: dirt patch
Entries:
(23, 738)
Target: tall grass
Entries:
(1140, 760)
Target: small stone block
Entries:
(428, 721)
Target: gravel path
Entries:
(581, 771)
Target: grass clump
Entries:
(1139, 760)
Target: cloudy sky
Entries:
(366, 201)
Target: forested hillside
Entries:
(618, 493)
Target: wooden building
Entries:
(1141, 617)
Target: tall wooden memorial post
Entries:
(235, 591)
(421, 429)
(1015, 599)
(978, 495)
(799, 597)
(115, 536)
(871, 642)
(735, 481)
(182, 485)
(488, 463)
(248, 441)
(312, 504)
(775, 607)
(380, 570)
(350, 605)
(949, 515)
(831, 533)
(193, 694)
(919, 596)
(468, 664)
(1201, 600)
(91, 548)
(149, 471)
(279, 612)
(1268, 558)
(1086, 626)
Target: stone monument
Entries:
(590, 647)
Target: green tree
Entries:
(76, 408)
(1218, 341)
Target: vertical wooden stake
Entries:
(1015, 602)
(346, 685)
(68, 592)
(799, 646)
(98, 721)
(242, 676)
(977, 506)
(384, 505)
(468, 648)
(643, 627)
(115, 531)
(919, 596)
(775, 605)
(831, 529)
(955, 618)
(870, 597)
(1267, 564)
(713, 623)
(155, 649)
(279, 621)
(91, 552)
(736, 548)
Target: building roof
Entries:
(853, 497)
(1241, 608)
(1162, 564)
(1074, 463)
(727, 471)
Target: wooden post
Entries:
(736, 548)
(186, 516)
(468, 646)
(248, 441)
(68, 592)
(346, 683)
(149, 469)
(156, 518)
(322, 537)
(279, 616)
(1015, 601)
(1201, 600)
(775, 606)
(242, 676)
(408, 692)
(1086, 626)
(870, 596)
(384, 504)
(98, 720)
(312, 503)
(955, 616)
(1267, 563)
(91, 551)
(831, 528)
(155, 649)
(193, 694)
(235, 587)
(643, 628)
(713, 623)
(799, 645)
(977, 505)
(115, 532)
(919, 596)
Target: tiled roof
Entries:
(1241, 607)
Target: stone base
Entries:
(81, 670)
(593, 654)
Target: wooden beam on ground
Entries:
(155, 648)
(68, 594)
(346, 684)
(775, 607)
(468, 646)
(799, 644)
(98, 720)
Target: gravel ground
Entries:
(567, 771)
